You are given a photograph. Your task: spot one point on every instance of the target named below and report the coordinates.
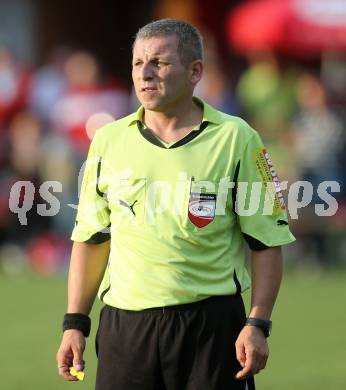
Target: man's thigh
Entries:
(126, 346)
(197, 347)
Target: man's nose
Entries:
(147, 71)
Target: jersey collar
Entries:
(210, 115)
(149, 136)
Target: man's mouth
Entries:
(146, 89)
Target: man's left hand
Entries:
(252, 351)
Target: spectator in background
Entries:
(24, 135)
(87, 94)
(215, 86)
(265, 93)
(318, 142)
(14, 84)
(48, 84)
(318, 133)
(37, 243)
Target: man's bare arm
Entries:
(251, 346)
(87, 266)
(266, 273)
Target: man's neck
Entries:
(173, 126)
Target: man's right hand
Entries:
(70, 353)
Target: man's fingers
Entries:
(249, 367)
(263, 362)
(78, 362)
(64, 371)
(240, 353)
(253, 365)
(64, 362)
(245, 372)
(262, 358)
(67, 359)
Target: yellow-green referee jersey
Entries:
(173, 212)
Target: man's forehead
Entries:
(155, 45)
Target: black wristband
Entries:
(77, 321)
(264, 325)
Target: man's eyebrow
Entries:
(153, 57)
(160, 53)
(160, 57)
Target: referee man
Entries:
(161, 234)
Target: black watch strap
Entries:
(264, 325)
(77, 321)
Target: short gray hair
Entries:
(190, 41)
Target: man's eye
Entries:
(158, 63)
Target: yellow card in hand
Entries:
(78, 374)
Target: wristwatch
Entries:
(264, 325)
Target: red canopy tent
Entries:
(302, 28)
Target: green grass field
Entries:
(308, 344)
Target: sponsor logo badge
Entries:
(266, 170)
(202, 208)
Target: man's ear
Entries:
(196, 71)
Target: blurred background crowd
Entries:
(65, 71)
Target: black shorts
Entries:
(183, 347)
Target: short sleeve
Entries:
(93, 215)
(259, 201)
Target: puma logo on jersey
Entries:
(122, 203)
(281, 222)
